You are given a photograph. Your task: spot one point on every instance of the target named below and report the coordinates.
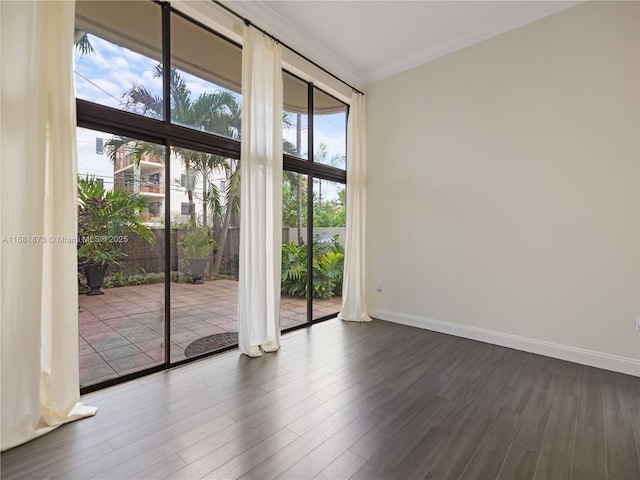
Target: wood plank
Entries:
(490, 454)
(590, 403)
(276, 417)
(462, 446)
(323, 455)
(51, 466)
(377, 438)
(221, 447)
(364, 399)
(557, 446)
(632, 390)
(342, 468)
(519, 464)
(517, 396)
(534, 420)
(418, 462)
(589, 462)
(164, 467)
(486, 397)
(253, 457)
(398, 442)
(635, 422)
(317, 416)
(621, 452)
(282, 460)
(129, 458)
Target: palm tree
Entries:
(82, 43)
(297, 181)
(295, 194)
(232, 210)
(321, 154)
(216, 112)
(294, 179)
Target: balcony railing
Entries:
(151, 187)
(123, 160)
(145, 187)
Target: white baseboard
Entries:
(605, 361)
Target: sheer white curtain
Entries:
(38, 276)
(353, 288)
(261, 195)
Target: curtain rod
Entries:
(275, 39)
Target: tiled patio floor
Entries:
(122, 331)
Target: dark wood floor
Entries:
(348, 400)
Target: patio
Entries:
(122, 331)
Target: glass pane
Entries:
(205, 90)
(329, 216)
(293, 304)
(204, 253)
(329, 130)
(295, 121)
(120, 256)
(118, 56)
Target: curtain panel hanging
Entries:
(353, 288)
(38, 272)
(261, 195)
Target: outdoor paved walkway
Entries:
(122, 331)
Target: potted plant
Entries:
(197, 246)
(106, 220)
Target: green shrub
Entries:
(197, 243)
(106, 219)
(328, 265)
(117, 279)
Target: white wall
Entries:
(514, 167)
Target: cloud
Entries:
(111, 71)
(327, 131)
(106, 75)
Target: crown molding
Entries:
(533, 13)
(275, 24)
(263, 16)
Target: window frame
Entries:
(314, 171)
(163, 132)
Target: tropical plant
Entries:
(294, 269)
(118, 279)
(294, 195)
(321, 155)
(216, 112)
(197, 243)
(294, 179)
(327, 264)
(106, 218)
(82, 43)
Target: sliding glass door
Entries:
(204, 254)
(159, 114)
(293, 304)
(121, 251)
(313, 198)
(328, 247)
(159, 117)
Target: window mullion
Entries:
(310, 205)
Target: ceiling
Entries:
(364, 41)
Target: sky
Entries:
(107, 74)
